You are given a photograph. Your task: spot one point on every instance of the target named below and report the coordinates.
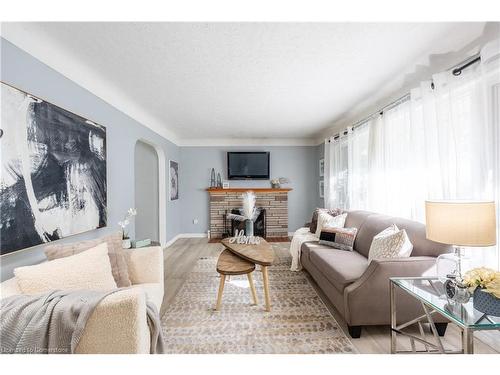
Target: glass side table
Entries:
(429, 291)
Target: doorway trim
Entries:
(162, 190)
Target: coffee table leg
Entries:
(265, 277)
(221, 289)
(252, 288)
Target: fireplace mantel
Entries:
(242, 190)
(274, 201)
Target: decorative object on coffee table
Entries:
(126, 243)
(261, 254)
(231, 264)
(460, 223)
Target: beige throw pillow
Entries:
(325, 219)
(115, 253)
(390, 243)
(87, 270)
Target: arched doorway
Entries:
(149, 166)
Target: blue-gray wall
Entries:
(21, 70)
(296, 163)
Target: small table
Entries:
(230, 264)
(261, 254)
(429, 291)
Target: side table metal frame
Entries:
(436, 347)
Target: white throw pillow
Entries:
(87, 270)
(332, 221)
(390, 243)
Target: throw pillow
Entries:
(87, 270)
(390, 243)
(332, 221)
(338, 238)
(115, 253)
(314, 221)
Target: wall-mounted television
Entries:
(248, 165)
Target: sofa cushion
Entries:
(115, 254)
(392, 242)
(338, 238)
(87, 270)
(340, 267)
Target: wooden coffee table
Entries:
(261, 254)
(230, 264)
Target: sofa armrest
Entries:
(117, 325)
(367, 300)
(145, 265)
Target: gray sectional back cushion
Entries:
(369, 224)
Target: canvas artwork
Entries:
(174, 180)
(53, 172)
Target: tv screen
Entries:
(248, 165)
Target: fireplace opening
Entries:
(259, 225)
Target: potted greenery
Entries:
(126, 243)
(485, 284)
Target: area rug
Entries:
(298, 323)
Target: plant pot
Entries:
(275, 186)
(486, 302)
(126, 243)
(248, 228)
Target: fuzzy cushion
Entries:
(390, 243)
(325, 219)
(314, 221)
(115, 253)
(87, 270)
(338, 238)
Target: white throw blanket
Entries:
(299, 237)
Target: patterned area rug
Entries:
(298, 323)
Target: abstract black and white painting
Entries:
(53, 172)
(174, 180)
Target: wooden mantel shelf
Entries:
(242, 190)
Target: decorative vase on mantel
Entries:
(249, 228)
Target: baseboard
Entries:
(185, 235)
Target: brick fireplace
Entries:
(274, 201)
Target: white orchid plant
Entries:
(249, 211)
(126, 221)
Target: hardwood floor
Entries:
(181, 257)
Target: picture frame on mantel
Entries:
(321, 167)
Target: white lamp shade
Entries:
(461, 223)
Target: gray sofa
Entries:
(359, 290)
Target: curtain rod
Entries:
(457, 70)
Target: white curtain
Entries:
(441, 142)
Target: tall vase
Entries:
(248, 228)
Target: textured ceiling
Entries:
(245, 80)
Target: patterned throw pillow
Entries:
(115, 253)
(338, 238)
(325, 219)
(317, 211)
(390, 243)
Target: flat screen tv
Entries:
(248, 165)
